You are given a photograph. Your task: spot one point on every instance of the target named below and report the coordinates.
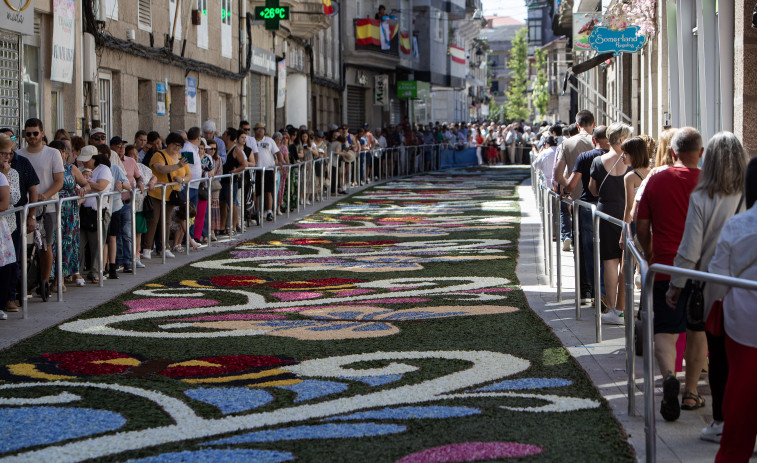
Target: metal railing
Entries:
(548, 202)
(385, 163)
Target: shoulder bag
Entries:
(175, 198)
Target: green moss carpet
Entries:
(388, 327)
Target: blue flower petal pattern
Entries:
(320, 431)
(231, 399)
(29, 426)
(526, 383)
(219, 456)
(410, 413)
(312, 389)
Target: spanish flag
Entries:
(367, 32)
(327, 8)
(405, 43)
(457, 54)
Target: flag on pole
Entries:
(405, 43)
(327, 8)
(457, 54)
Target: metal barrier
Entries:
(329, 166)
(548, 202)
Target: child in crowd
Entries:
(179, 227)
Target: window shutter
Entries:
(144, 15)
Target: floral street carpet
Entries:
(388, 327)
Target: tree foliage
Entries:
(517, 106)
(541, 88)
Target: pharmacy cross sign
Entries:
(271, 13)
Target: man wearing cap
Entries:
(48, 165)
(265, 157)
(122, 217)
(209, 131)
(28, 181)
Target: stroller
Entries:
(35, 281)
(249, 206)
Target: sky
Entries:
(513, 8)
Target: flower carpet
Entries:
(388, 327)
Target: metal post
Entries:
(550, 225)
(649, 408)
(59, 251)
(289, 189)
(100, 237)
(577, 256)
(163, 230)
(230, 215)
(630, 354)
(558, 251)
(208, 210)
(545, 230)
(300, 190)
(312, 180)
(133, 212)
(24, 270)
(186, 210)
(597, 288)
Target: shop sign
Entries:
(17, 16)
(263, 61)
(583, 26)
(381, 90)
(191, 95)
(282, 90)
(62, 61)
(161, 106)
(605, 40)
(413, 89)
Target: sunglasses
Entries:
(94, 137)
(209, 149)
(6, 153)
(32, 134)
(246, 129)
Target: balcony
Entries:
(307, 18)
(364, 47)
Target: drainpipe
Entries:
(242, 55)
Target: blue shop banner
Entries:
(605, 40)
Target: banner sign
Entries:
(161, 106)
(17, 16)
(381, 90)
(62, 61)
(413, 89)
(282, 90)
(263, 61)
(190, 95)
(583, 25)
(605, 40)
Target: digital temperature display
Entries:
(271, 15)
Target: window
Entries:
(534, 31)
(111, 9)
(31, 79)
(144, 15)
(171, 15)
(56, 108)
(439, 27)
(226, 42)
(202, 30)
(105, 99)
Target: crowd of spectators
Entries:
(688, 205)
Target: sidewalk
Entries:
(43, 315)
(605, 363)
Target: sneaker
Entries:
(713, 432)
(566, 244)
(127, 269)
(140, 264)
(3, 315)
(112, 274)
(613, 317)
(307, 202)
(169, 253)
(269, 216)
(11, 306)
(670, 408)
(146, 254)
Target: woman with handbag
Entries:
(168, 167)
(736, 256)
(717, 197)
(101, 182)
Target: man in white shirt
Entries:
(191, 152)
(250, 143)
(48, 165)
(545, 162)
(265, 157)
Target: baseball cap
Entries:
(96, 130)
(117, 140)
(86, 153)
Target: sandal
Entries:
(93, 279)
(698, 401)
